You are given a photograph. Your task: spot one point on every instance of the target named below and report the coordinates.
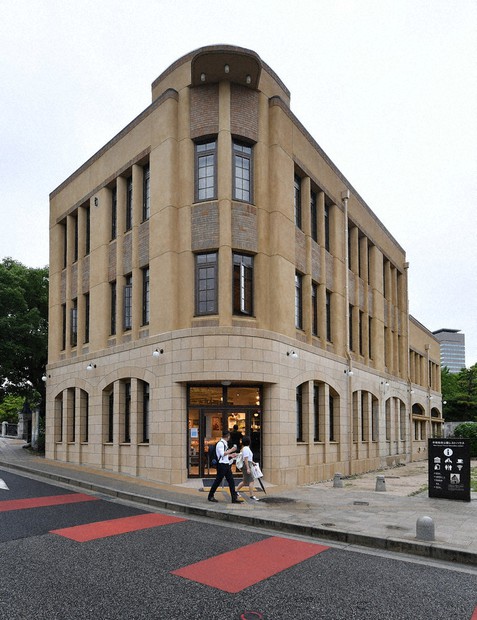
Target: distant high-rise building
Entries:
(452, 348)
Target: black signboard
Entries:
(449, 468)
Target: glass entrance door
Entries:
(205, 424)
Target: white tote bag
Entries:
(256, 471)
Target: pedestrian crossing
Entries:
(224, 572)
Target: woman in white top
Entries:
(248, 479)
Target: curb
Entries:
(428, 550)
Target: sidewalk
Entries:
(355, 514)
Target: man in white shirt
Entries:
(224, 469)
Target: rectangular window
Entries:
(114, 213)
(328, 317)
(87, 241)
(206, 297)
(111, 417)
(314, 217)
(360, 334)
(327, 227)
(350, 328)
(146, 193)
(314, 309)
(205, 171)
(242, 284)
(63, 324)
(316, 412)
(145, 296)
(129, 203)
(74, 324)
(145, 412)
(297, 200)
(65, 244)
(72, 433)
(331, 409)
(370, 340)
(128, 302)
(298, 301)
(127, 412)
(113, 307)
(86, 317)
(299, 413)
(75, 249)
(242, 172)
(85, 408)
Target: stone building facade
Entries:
(211, 267)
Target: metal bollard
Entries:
(338, 481)
(380, 483)
(425, 529)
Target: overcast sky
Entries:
(388, 88)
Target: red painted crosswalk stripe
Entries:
(113, 527)
(40, 502)
(239, 569)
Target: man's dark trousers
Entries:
(224, 471)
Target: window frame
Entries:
(298, 300)
(127, 303)
(329, 326)
(242, 284)
(242, 152)
(204, 150)
(114, 213)
(146, 293)
(146, 193)
(314, 309)
(86, 317)
(299, 412)
(129, 204)
(314, 215)
(297, 180)
(211, 303)
(113, 307)
(74, 323)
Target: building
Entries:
(210, 266)
(452, 349)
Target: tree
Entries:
(459, 391)
(23, 329)
(9, 408)
(469, 431)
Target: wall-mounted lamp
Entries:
(226, 383)
(292, 354)
(157, 352)
(202, 77)
(385, 383)
(43, 378)
(226, 68)
(90, 366)
(349, 372)
(248, 79)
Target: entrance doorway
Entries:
(206, 422)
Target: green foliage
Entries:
(23, 329)
(9, 408)
(459, 390)
(468, 430)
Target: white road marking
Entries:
(3, 485)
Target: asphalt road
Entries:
(160, 570)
